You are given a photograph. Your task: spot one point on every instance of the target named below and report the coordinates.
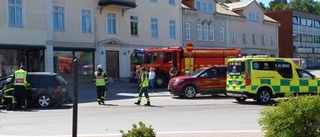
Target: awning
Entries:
(73, 49)
(17, 46)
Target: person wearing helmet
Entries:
(144, 84)
(101, 81)
(20, 84)
(7, 98)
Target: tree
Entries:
(262, 6)
(304, 5)
(227, 1)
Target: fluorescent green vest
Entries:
(144, 76)
(20, 78)
(100, 81)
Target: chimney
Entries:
(233, 1)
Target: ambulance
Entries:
(263, 78)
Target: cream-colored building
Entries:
(250, 29)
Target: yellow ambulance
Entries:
(262, 78)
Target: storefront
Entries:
(311, 55)
(14, 56)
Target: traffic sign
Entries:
(189, 47)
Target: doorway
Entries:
(112, 64)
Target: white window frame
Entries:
(211, 33)
(64, 17)
(205, 32)
(272, 40)
(15, 14)
(263, 42)
(254, 41)
(90, 20)
(210, 7)
(244, 38)
(134, 21)
(233, 37)
(172, 29)
(198, 7)
(172, 2)
(154, 33)
(221, 32)
(187, 31)
(154, 1)
(199, 32)
(115, 26)
(204, 6)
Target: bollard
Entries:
(75, 98)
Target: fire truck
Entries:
(185, 59)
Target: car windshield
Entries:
(137, 58)
(197, 72)
(60, 79)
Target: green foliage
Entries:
(311, 6)
(293, 117)
(141, 131)
(227, 1)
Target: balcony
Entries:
(122, 4)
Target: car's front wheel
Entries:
(264, 96)
(44, 101)
(189, 91)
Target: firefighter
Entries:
(143, 87)
(7, 98)
(20, 84)
(101, 81)
(173, 71)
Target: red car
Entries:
(206, 80)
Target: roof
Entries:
(222, 9)
(239, 5)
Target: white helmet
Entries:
(99, 67)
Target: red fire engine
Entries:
(185, 59)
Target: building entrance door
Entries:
(112, 64)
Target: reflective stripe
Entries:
(146, 81)
(100, 81)
(20, 78)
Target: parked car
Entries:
(47, 89)
(206, 80)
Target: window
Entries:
(187, 31)
(198, 6)
(296, 37)
(211, 33)
(112, 28)
(282, 68)
(86, 21)
(272, 55)
(317, 39)
(58, 18)
(199, 32)
(310, 38)
(253, 38)
(134, 25)
(205, 32)
(152, 57)
(309, 22)
(204, 7)
(263, 40)
(233, 37)
(295, 20)
(303, 22)
(272, 40)
(317, 24)
(221, 34)
(244, 38)
(154, 28)
(154, 1)
(172, 30)
(171, 2)
(210, 10)
(303, 38)
(253, 17)
(15, 13)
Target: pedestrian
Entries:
(101, 81)
(152, 78)
(144, 87)
(7, 98)
(173, 71)
(138, 72)
(20, 84)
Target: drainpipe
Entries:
(95, 37)
(228, 45)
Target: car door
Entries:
(307, 81)
(209, 80)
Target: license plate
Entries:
(234, 82)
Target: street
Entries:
(169, 116)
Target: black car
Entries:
(47, 89)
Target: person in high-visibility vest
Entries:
(20, 84)
(144, 84)
(7, 98)
(101, 81)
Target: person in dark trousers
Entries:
(144, 87)
(7, 98)
(20, 84)
(173, 71)
(101, 81)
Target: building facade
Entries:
(299, 35)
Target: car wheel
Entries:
(240, 99)
(264, 96)
(189, 91)
(44, 101)
(160, 81)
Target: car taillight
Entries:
(57, 90)
(248, 80)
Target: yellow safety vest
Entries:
(100, 81)
(144, 76)
(20, 78)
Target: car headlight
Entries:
(177, 81)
